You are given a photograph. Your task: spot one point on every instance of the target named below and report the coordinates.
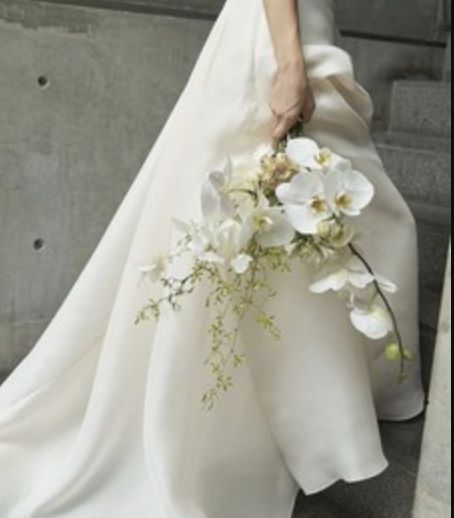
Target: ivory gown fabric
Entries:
(103, 418)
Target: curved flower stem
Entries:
(386, 302)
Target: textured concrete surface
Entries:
(407, 19)
(412, 19)
(317, 506)
(421, 107)
(420, 173)
(83, 97)
(433, 496)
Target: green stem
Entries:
(387, 304)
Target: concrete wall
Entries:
(83, 94)
(404, 19)
(70, 146)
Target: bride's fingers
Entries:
(282, 126)
(308, 110)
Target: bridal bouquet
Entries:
(260, 215)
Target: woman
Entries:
(103, 417)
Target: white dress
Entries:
(103, 417)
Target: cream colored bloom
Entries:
(374, 321)
(156, 269)
(339, 275)
(270, 227)
(215, 200)
(347, 191)
(336, 234)
(304, 202)
(348, 272)
(306, 153)
(245, 176)
(217, 242)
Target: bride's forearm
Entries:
(282, 16)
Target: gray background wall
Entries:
(84, 92)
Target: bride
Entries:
(103, 417)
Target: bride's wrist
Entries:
(293, 65)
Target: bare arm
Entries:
(291, 96)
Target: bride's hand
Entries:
(291, 99)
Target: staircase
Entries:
(416, 151)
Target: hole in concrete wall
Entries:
(38, 244)
(43, 82)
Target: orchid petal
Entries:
(374, 322)
(335, 281)
(303, 152)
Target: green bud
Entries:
(408, 355)
(392, 352)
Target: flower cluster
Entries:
(259, 215)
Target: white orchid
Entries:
(216, 242)
(216, 202)
(269, 226)
(308, 155)
(348, 271)
(303, 151)
(304, 201)
(219, 244)
(373, 320)
(347, 191)
(154, 270)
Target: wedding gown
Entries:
(103, 417)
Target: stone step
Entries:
(419, 173)
(316, 506)
(434, 230)
(413, 141)
(422, 107)
(420, 167)
(392, 60)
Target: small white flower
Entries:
(304, 152)
(155, 270)
(337, 276)
(304, 201)
(245, 176)
(373, 321)
(216, 243)
(216, 203)
(241, 263)
(348, 191)
(385, 284)
(270, 227)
